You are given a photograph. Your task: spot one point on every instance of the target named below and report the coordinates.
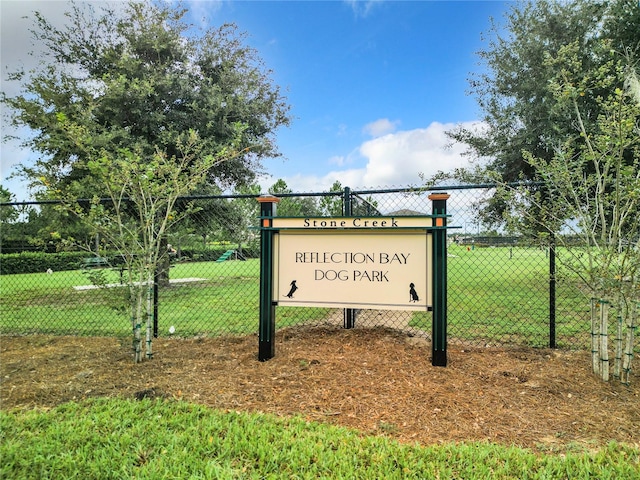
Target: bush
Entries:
(39, 262)
(34, 262)
(212, 254)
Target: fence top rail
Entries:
(418, 190)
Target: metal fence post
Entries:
(267, 326)
(346, 202)
(552, 291)
(155, 303)
(349, 314)
(439, 322)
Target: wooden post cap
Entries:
(439, 196)
(267, 198)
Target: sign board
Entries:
(386, 263)
(372, 262)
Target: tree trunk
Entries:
(164, 264)
(136, 315)
(149, 303)
(595, 358)
(604, 340)
(617, 364)
(631, 321)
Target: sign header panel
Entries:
(379, 270)
(376, 223)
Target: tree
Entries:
(8, 213)
(25, 227)
(518, 110)
(558, 110)
(149, 187)
(366, 207)
(293, 206)
(593, 185)
(225, 219)
(136, 108)
(8, 217)
(211, 213)
(142, 77)
(331, 206)
(247, 212)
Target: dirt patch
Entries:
(377, 380)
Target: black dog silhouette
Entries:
(413, 295)
(294, 287)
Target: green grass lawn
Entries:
(118, 438)
(496, 295)
(222, 300)
(501, 295)
(493, 293)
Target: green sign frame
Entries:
(433, 226)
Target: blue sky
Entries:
(373, 85)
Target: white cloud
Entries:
(201, 11)
(394, 160)
(18, 51)
(380, 127)
(338, 160)
(398, 158)
(362, 8)
(11, 155)
(16, 44)
(17, 47)
(342, 130)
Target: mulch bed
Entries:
(378, 380)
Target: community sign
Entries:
(353, 262)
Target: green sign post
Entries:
(439, 322)
(392, 263)
(267, 329)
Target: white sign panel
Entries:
(388, 270)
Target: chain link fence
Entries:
(502, 290)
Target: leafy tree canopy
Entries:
(138, 79)
(8, 213)
(293, 206)
(331, 206)
(518, 109)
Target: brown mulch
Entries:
(377, 380)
